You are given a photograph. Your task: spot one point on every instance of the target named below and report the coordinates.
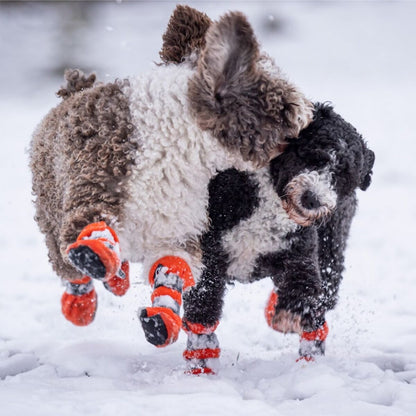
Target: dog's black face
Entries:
(327, 163)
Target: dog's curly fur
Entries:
(238, 93)
(76, 81)
(185, 34)
(235, 97)
(139, 154)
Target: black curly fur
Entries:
(233, 196)
(308, 273)
(328, 133)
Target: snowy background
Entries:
(359, 55)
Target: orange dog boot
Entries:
(202, 350)
(281, 320)
(119, 283)
(161, 322)
(161, 325)
(79, 301)
(96, 253)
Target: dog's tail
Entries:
(76, 81)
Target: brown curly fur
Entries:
(81, 156)
(237, 100)
(185, 34)
(76, 81)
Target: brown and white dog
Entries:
(121, 170)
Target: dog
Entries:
(121, 170)
(289, 221)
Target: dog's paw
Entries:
(286, 322)
(79, 302)
(96, 253)
(312, 344)
(161, 325)
(119, 284)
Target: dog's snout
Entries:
(309, 200)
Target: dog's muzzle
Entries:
(309, 197)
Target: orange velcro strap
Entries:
(83, 281)
(175, 265)
(202, 354)
(319, 335)
(118, 285)
(200, 370)
(108, 257)
(198, 328)
(270, 310)
(96, 226)
(305, 358)
(166, 291)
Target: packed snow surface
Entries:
(358, 55)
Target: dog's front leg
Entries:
(202, 349)
(169, 277)
(295, 304)
(203, 306)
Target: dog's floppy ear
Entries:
(367, 171)
(239, 94)
(185, 34)
(229, 55)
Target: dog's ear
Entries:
(229, 55)
(239, 94)
(185, 34)
(367, 171)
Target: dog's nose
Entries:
(309, 200)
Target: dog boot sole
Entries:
(84, 259)
(161, 326)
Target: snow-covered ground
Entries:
(360, 56)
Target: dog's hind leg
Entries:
(81, 158)
(95, 254)
(161, 322)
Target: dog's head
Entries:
(238, 93)
(326, 164)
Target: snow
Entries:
(360, 56)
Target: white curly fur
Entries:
(168, 191)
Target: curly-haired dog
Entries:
(288, 221)
(121, 170)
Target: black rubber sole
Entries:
(154, 328)
(87, 262)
